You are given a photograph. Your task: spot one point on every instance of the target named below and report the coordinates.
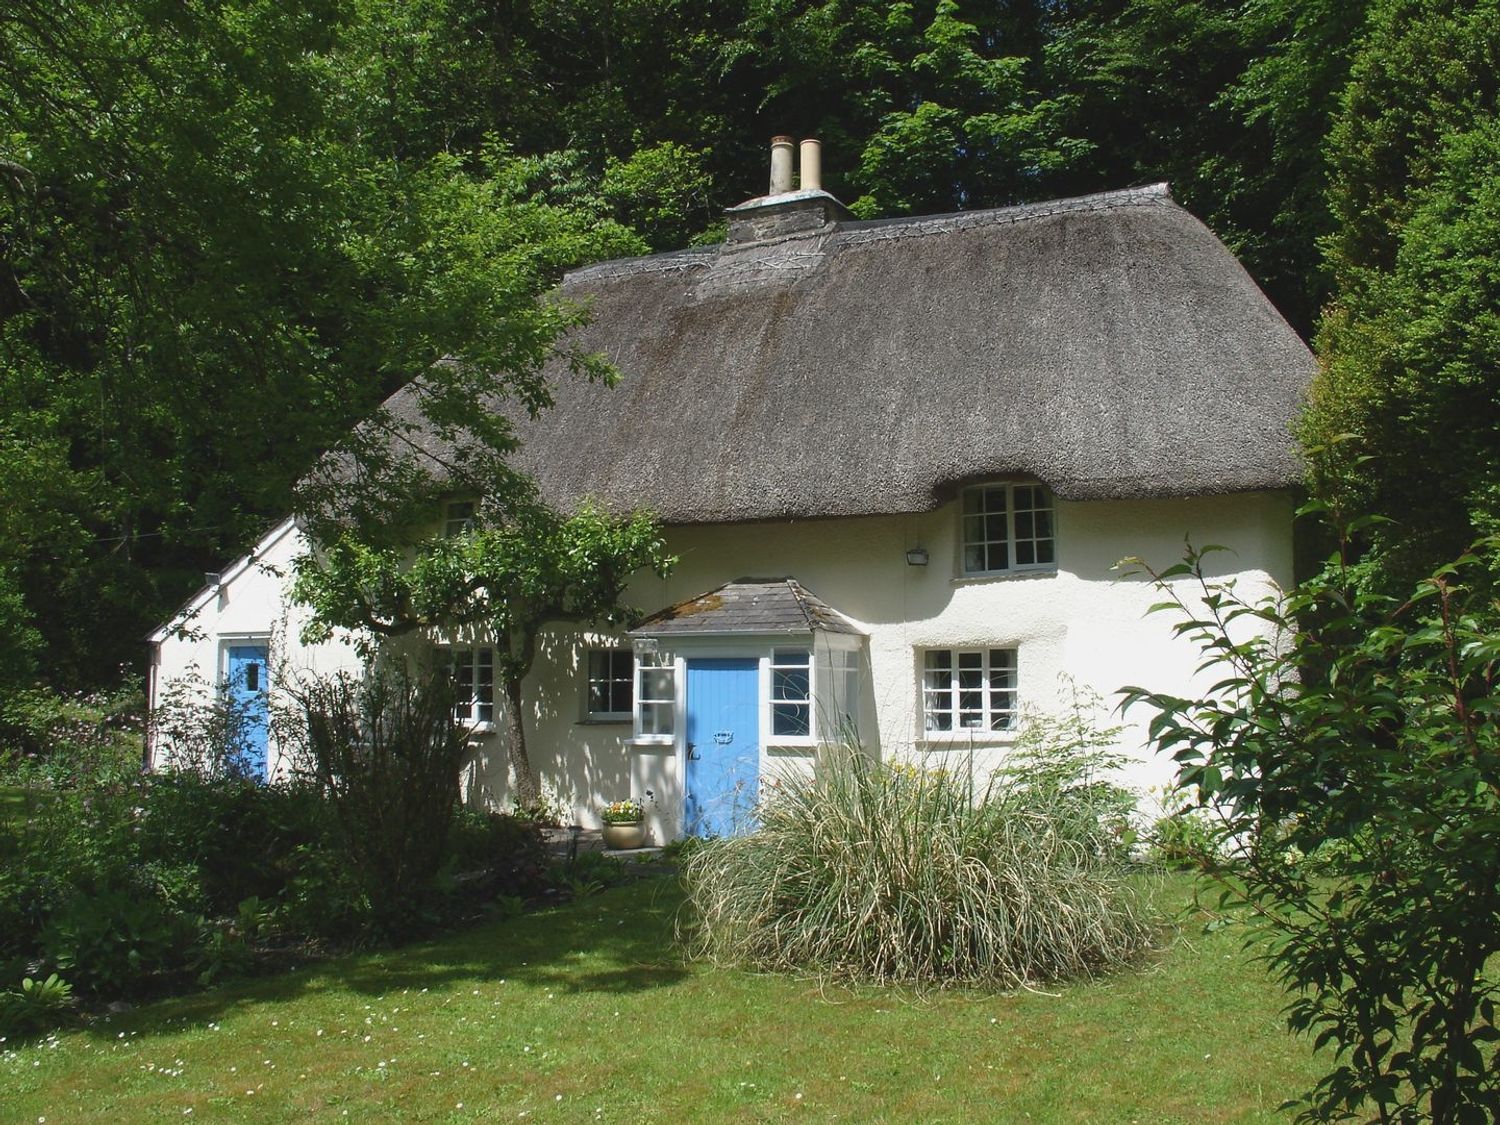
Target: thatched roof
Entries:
(748, 605)
(1109, 345)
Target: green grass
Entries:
(586, 1013)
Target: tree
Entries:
(1349, 754)
(518, 568)
(229, 231)
(1401, 421)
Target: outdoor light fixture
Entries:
(917, 556)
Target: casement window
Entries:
(473, 672)
(969, 689)
(458, 518)
(791, 692)
(611, 684)
(656, 693)
(1006, 528)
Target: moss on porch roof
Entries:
(748, 605)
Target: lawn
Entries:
(585, 1013)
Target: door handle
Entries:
(693, 754)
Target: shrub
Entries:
(511, 851)
(35, 1006)
(385, 752)
(111, 942)
(1351, 755)
(865, 872)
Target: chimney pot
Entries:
(812, 164)
(781, 165)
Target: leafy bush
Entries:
(35, 1006)
(58, 741)
(871, 873)
(385, 752)
(511, 850)
(113, 941)
(1351, 755)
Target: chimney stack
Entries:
(790, 208)
(781, 165)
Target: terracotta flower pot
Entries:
(619, 836)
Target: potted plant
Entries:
(623, 827)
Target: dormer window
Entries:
(1006, 528)
(458, 518)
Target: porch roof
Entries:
(748, 605)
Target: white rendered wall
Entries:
(250, 604)
(1085, 620)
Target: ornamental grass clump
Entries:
(866, 872)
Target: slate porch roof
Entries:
(748, 605)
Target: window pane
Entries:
(619, 697)
(656, 683)
(790, 684)
(1025, 553)
(790, 718)
(1025, 525)
(1044, 551)
(994, 528)
(599, 697)
(974, 560)
(973, 500)
(1044, 524)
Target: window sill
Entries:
(652, 742)
(944, 740)
(785, 748)
(1004, 576)
(479, 730)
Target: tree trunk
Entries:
(528, 792)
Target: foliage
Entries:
(385, 752)
(229, 233)
(36, 1005)
(1065, 760)
(112, 942)
(511, 850)
(628, 811)
(1360, 729)
(1181, 839)
(202, 729)
(1400, 420)
(867, 873)
(59, 741)
(520, 567)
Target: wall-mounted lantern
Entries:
(917, 556)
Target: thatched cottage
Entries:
(898, 460)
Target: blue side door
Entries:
(723, 746)
(248, 695)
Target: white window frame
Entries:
(649, 709)
(966, 521)
(998, 679)
(610, 679)
(472, 703)
(783, 659)
(459, 518)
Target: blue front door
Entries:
(723, 746)
(246, 675)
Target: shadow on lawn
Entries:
(620, 941)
